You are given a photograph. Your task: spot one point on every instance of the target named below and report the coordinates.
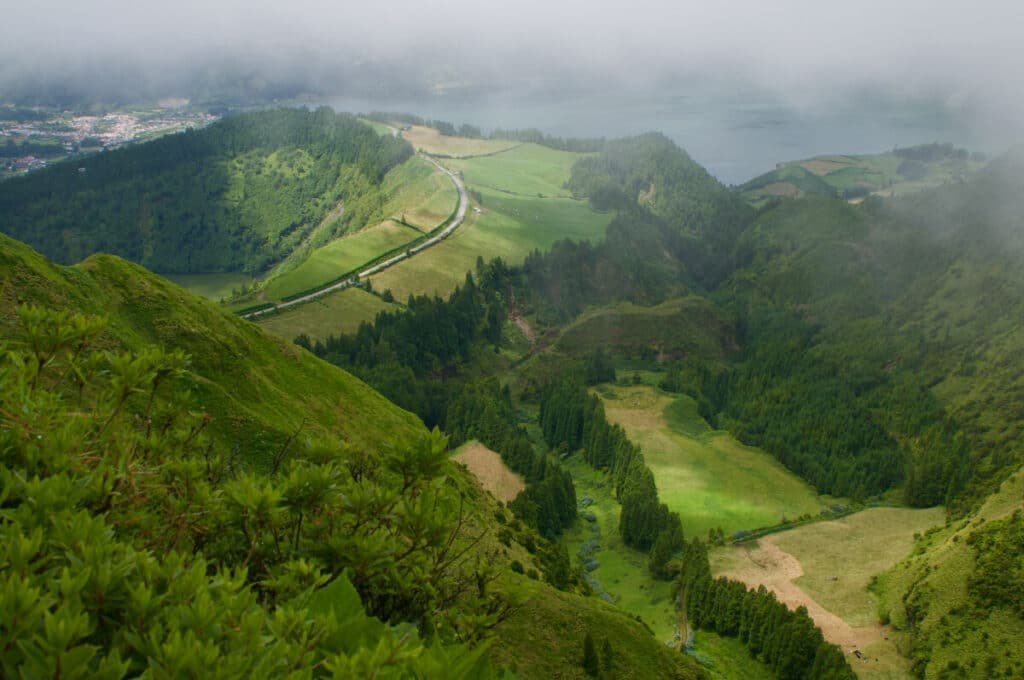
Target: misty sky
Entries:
(802, 47)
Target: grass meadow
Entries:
(708, 477)
(433, 142)
(336, 313)
(340, 256)
(507, 226)
(528, 170)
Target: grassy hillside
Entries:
(674, 329)
(520, 205)
(239, 195)
(250, 383)
(413, 199)
(338, 312)
(265, 397)
(942, 594)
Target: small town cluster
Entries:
(31, 142)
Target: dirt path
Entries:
(525, 327)
(776, 569)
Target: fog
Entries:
(964, 60)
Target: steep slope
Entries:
(232, 542)
(650, 170)
(915, 307)
(960, 593)
(237, 195)
(260, 391)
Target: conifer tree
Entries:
(591, 664)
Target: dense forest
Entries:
(238, 195)
(414, 358)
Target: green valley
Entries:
(595, 414)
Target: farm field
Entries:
(340, 256)
(508, 225)
(827, 567)
(884, 174)
(212, 286)
(490, 470)
(433, 142)
(527, 169)
(419, 194)
(336, 313)
(708, 477)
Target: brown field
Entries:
(490, 470)
(433, 142)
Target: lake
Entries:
(736, 133)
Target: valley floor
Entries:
(713, 481)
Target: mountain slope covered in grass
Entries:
(226, 500)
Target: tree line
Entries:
(571, 419)
(484, 411)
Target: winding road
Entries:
(446, 231)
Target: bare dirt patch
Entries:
(490, 470)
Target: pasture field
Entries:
(871, 173)
(212, 286)
(340, 256)
(419, 194)
(708, 477)
(490, 470)
(433, 142)
(828, 567)
(529, 224)
(527, 169)
(336, 313)
(840, 557)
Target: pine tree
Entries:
(591, 664)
